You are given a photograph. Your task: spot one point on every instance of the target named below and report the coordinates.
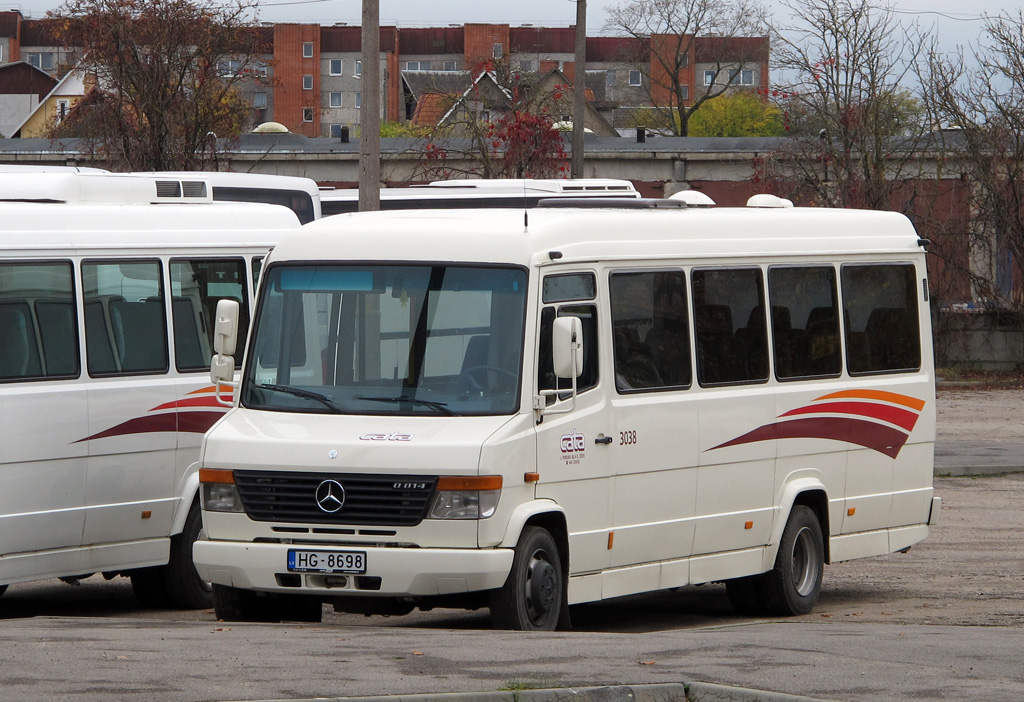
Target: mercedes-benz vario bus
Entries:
(108, 288)
(463, 408)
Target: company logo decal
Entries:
(394, 436)
(875, 419)
(330, 496)
(193, 414)
(573, 447)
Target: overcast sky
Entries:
(956, 20)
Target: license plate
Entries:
(352, 562)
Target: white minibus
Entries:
(466, 409)
(108, 288)
(515, 193)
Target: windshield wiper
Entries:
(308, 394)
(438, 406)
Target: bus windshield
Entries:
(388, 340)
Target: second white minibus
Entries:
(460, 408)
(108, 288)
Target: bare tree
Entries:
(979, 96)
(668, 33)
(842, 68)
(167, 77)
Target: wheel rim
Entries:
(805, 569)
(541, 587)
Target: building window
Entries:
(635, 78)
(336, 67)
(450, 66)
(259, 101)
(307, 114)
(229, 68)
(746, 77)
(335, 99)
(63, 107)
(359, 68)
(335, 131)
(684, 91)
(307, 82)
(307, 49)
(261, 70)
(497, 51)
(609, 79)
(44, 61)
(683, 60)
(526, 66)
(709, 77)
(359, 100)
(417, 65)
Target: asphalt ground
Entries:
(943, 622)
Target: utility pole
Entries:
(369, 119)
(579, 90)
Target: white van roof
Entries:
(99, 187)
(612, 232)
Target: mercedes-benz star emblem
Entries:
(330, 496)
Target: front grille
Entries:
(377, 500)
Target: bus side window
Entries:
(197, 285)
(126, 327)
(651, 330)
(727, 353)
(881, 312)
(805, 321)
(38, 323)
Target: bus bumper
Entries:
(408, 572)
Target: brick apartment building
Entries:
(311, 80)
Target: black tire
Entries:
(793, 585)
(3, 589)
(745, 595)
(185, 589)
(231, 604)
(533, 597)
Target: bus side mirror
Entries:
(225, 330)
(567, 347)
(225, 338)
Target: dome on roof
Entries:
(270, 128)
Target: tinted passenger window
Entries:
(805, 321)
(650, 326)
(38, 321)
(196, 288)
(880, 309)
(573, 286)
(125, 324)
(729, 318)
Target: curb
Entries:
(663, 692)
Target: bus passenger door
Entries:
(43, 414)
(573, 462)
(654, 445)
(736, 477)
(132, 420)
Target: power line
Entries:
(946, 15)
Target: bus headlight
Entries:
(219, 493)
(466, 498)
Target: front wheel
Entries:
(533, 597)
(793, 585)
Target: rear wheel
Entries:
(533, 596)
(793, 585)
